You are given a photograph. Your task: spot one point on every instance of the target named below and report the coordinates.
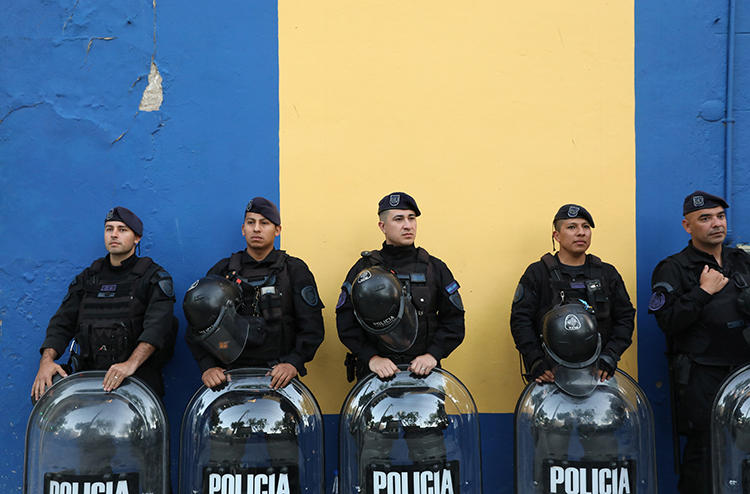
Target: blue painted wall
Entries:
(680, 84)
(73, 144)
(66, 95)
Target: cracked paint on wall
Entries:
(152, 95)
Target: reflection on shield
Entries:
(409, 434)
(248, 434)
(79, 435)
(730, 434)
(603, 442)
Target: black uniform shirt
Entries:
(696, 320)
(528, 308)
(450, 318)
(158, 329)
(308, 320)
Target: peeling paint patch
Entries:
(152, 95)
(101, 38)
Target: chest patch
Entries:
(107, 291)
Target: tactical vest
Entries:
(110, 317)
(267, 294)
(591, 289)
(419, 278)
(717, 337)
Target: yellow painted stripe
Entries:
(492, 114)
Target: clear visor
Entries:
(578, 382)
(225, 338)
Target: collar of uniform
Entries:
(699, 256)
(269, 259)
(567, 268)
(399, 251)
(125, 265)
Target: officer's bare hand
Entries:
(712, 281)
(383, 367)
(43, 380)
(423, 364)
(603, 375)
(547, 377)
(214, 377)
(281, 374)
(116, 374)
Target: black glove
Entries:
(607, 364)
(539, 367)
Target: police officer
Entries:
(700, 300)
(571, 276)
(433, 291)
(280, 291)
(119, 310)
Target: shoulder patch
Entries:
(452, 287)
(310, 296)
(342, 298)
(455, 299)
(657, 301)
(165, 283)
(518, 296)
(71, 287)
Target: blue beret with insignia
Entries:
(570, 211)
(702, 200)
(398, 200)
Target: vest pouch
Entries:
(109, 344)
(256, 334)
(270, 304)
(421, 298)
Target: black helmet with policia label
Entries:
(384, 308)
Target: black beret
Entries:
(264, 207)
(570, 211)
(128, 217)
(702, 200)
(398, 200)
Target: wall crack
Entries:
(22, 107)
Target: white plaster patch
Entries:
(152, 95)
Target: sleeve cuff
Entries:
(434, 350)
(701, 296)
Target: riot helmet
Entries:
(383, 307)
(571, 339)
(570, 336)
(210, 307)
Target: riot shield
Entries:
(409, 435)
(730, 434)
(599, 443)
(81, 439)
(247, 438)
